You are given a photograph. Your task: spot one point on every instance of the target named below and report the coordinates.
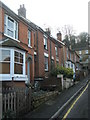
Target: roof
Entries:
(56, 41)
(11, 43)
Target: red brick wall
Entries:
(23, 37)
(40, 54)
(23, 33)
(1, 22)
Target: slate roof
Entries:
(11, 43)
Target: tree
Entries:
(68, 31)
(83, 39)
(69, 35)
(83, 36)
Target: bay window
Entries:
(12, 62)
(18, 63)
(5, 61)
(10, 27)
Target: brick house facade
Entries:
(14, 29)
(31, 51)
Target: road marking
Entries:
(69, 110)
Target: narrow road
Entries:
(80, 107)
(49, 108)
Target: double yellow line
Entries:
(69, 110)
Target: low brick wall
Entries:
(51, 84)
(38, 99)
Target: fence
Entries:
(16, 101)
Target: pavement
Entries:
(50, 107)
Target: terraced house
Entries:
(17, 47)
(28, 52)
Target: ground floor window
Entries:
(18, 62)
(12, 62)
(5, 61)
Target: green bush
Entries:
(67, 72)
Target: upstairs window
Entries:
(29, 38)
(56, 50)
(45, 43)
(10, 27)
(46, 63)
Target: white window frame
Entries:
(7, 77)
(15, 37)
(21, 75)
(29, 38)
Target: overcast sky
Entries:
(54, 13)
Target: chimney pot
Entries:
(22, 11)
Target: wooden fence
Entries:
(16, 101)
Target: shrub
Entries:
(67, 72)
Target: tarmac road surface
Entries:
(80, 107)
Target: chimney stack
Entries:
(59, 36)
(22, 11)
(48, 31)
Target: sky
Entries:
(54, 14)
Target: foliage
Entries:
(73, 41)
(67, 72)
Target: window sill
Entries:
(15, 78)
(46, 70)
(11, 37)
